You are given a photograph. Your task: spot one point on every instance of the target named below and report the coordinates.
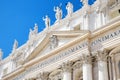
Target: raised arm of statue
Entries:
(47, 21)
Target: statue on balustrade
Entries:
(33, 32)
(58, 14)
(85, 2)
(47, 21)
(15, 45)
(35, 29)
(69, 8)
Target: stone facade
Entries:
(85, 45)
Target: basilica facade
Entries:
(85, 45)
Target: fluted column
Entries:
(67, 71)
(87, 67)
(102, 65)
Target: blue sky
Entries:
(18, 16)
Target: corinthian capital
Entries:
(42, 76)
(86, 59)
(102, 55)
(67, 66)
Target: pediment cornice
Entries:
(59, 34)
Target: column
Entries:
(102, 65)
(113, 67)
(110, 68)
(87, 67)
(67, 70)
(100, 20)
(85, 24)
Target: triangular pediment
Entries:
(63, 38)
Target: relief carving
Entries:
(86, 59)
(102, 55)
(42, 76)
(53, 42)
(67, 66)
(77, 65)
(56, 75)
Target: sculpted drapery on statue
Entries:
(33, 32)
(58, 13)
(47, 21)
(35, 28)
(69, 8)
(15, 45)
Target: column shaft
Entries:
(103, 72)
(87, 72)
(66, 76)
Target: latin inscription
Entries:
(68, 52)
(106, 37)
(52, 59)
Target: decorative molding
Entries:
(77, 65)
(86, 59)
(43, 76)
(55, 75)
(67, 66)
(102, 55)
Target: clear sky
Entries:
(18, 16)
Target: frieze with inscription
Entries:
(106, 37)
(52, 60)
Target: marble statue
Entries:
(15, 45)
(47, 21)
(85, 2)
(1, 53)
(69, 8)
(33, 32)
(58, 14)
(35, 28)
(30, 33)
